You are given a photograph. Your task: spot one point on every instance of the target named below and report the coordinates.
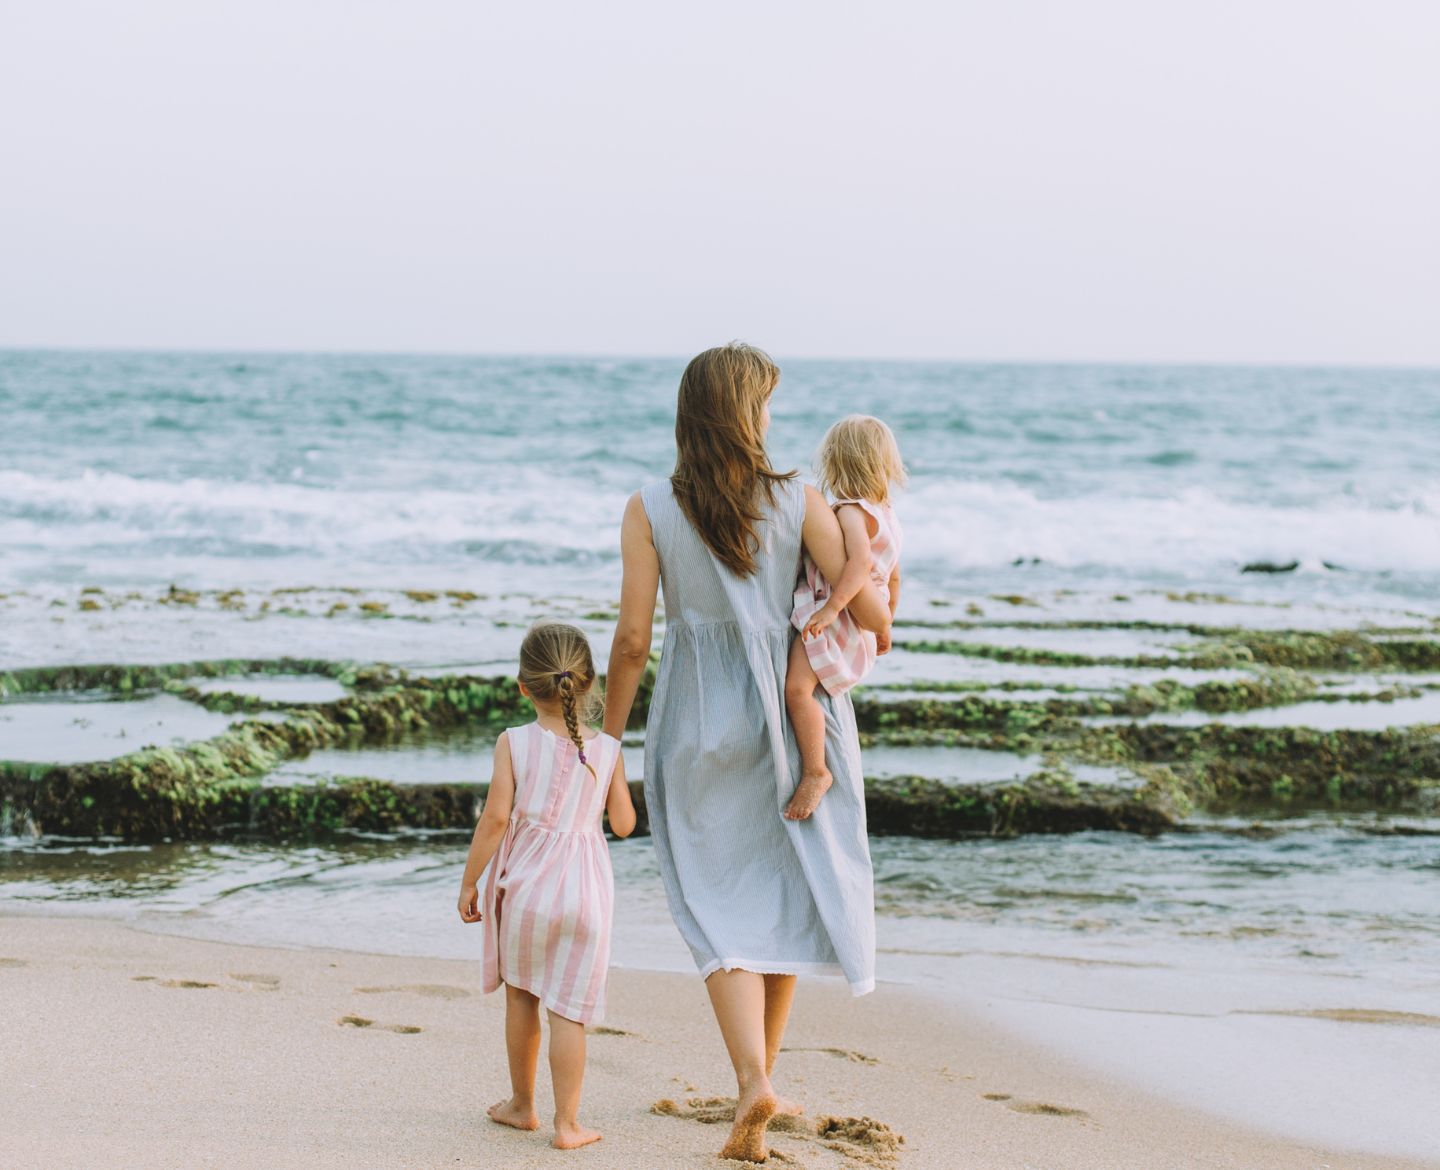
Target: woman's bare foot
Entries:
(753, 1112)
(573, 1135)
(812, 786)
(516, 1116)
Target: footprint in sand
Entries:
(362, 1022)
(13, 963)
(259, 982)
(429, 990)
(861, 1139)
(715, 1110)
(844, 1053)
(1038, 1108)
(1045, 1109)
(181, 982)
(602, 1030)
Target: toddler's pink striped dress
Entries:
(843, 653)
(549, 892)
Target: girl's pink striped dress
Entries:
(843, 653)
(549, 892)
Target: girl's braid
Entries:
(566, 684)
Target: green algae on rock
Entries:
(1047, 802)
(131, 678)
(213, 787)
(199, 789)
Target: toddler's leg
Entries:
(567, 1071)
(522, 1042)
(809, 722)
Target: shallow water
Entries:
(67, 730)
(1346, 715)
(1326, 895)
(274, 688)
(1096, 643)
(910, 667)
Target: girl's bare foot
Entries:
(787, 1108)
(573, 1135)
(812, 786)
(753, 1112)
(516, 1116)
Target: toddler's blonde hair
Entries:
(859, 460)
(556, 665)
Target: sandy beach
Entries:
(134, 1049)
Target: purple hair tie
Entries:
(582, 755)
(562, 674)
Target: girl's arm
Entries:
(491, 828)
(618, 805)
(855, 527)
(824, 542)
(639, 582)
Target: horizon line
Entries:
(601, 355)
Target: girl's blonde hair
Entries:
(721, 468)
(859, 460)
(556, 666)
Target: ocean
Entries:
(510, 473)
(1088, 549)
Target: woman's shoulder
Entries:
(653, 497)
(795, 492)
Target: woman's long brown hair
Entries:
(721, 467)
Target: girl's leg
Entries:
(567, 1072)
(522, 1043)
(779, 994)
(809, 722)
(738, 998)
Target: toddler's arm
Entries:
(855, 525)
(882, 641)
(490, 829)
(618, 805)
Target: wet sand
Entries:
(131, 1049)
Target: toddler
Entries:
(858, 464)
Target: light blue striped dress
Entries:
(747, 888)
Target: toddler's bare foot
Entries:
(573, 1135)
(753, 1112)
(507, 1112)
(806, 799)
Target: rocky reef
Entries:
(224, 785)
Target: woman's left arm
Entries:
(639, 584)
(618, 804)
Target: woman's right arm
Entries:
(639, 583)
(825, 543)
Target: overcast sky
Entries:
(1007, 179)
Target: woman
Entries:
(758, 899)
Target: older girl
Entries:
(549, 891)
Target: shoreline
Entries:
(235, 1054)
